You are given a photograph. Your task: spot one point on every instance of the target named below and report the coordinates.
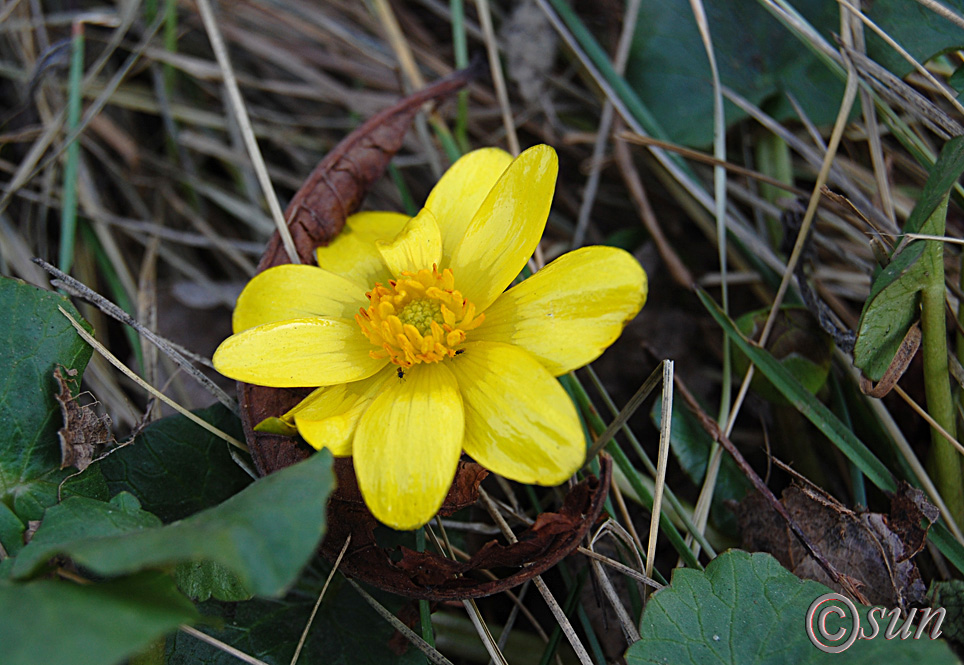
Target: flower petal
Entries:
(506, 229)
(327, 418)
(459, 193)
(519, 422)
(569, 312)
(295, 292)
(407, 446)
(298, 353)
(418, 246)
(353, 253)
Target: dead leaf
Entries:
(429, 576)
(908, 508)
(872, 550)
(84, 434)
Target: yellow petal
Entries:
(417, 247)
(569, 312)
(298, 353)
(353, 253)
(506, 229)
(459, 193)
(327, 418)
(519, 422)
(407, 446)
(296, 292)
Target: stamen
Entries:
(419, 318)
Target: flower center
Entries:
(419, 318)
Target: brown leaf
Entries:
(908, 508)
(429, 576)
(84, 434)
(871, 550)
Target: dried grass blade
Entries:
(432, 654)
(218, 644)
(314, 610)
(244, 122)
(664, 438)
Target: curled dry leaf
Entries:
(871, 549)
(334, 190)
(84, 434)
(428, 576)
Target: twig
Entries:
(621, 567)
(661, 460)
(680, 273)
(605, 125)
(627, 411)
(625, 622)
(941, 10)
(553, 604)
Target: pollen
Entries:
(419, 318)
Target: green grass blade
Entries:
(808, 405)
(68, 212)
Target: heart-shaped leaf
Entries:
(747, 609)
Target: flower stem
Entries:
(944, 462)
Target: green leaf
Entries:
(950, 595)
(756, 55)
(890, 310)
(759, 58)
(77, 519)
(922, 32)
(346, 631)
(62, 623)
(200, 580)
(747, 609)
(277, 426)
(176, 467)
(11, 531)
(264, 535)
(893, 303)
(956, 80)
(34, 339)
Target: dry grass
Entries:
(173, 211)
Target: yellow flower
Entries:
(421, 352)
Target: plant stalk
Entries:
(944, 460)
